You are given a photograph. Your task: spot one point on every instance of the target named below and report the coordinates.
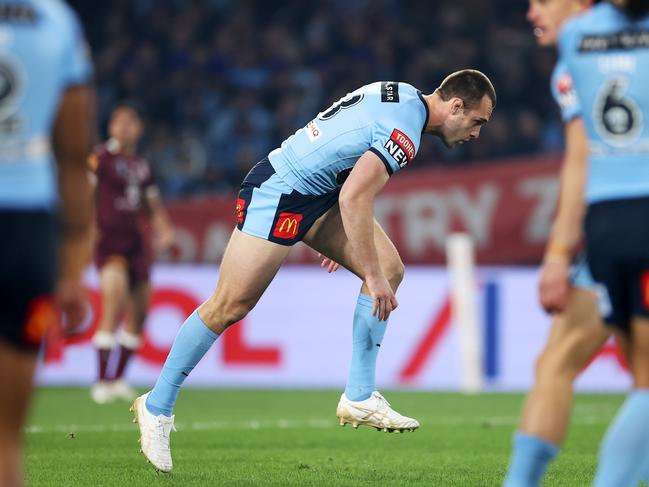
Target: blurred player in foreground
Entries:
(45, 114)
(606, 54)
(577, 329)
(125, 188)
(319, 187)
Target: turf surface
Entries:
(286, 438)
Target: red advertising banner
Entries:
(507, 208)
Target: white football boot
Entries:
(374, 411)
(154, 434)
(101, 393)
(121, 390)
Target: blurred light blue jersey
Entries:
(387, 118)
(42, 52)
(564, 93)
(607, 58)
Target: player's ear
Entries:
(457, 105)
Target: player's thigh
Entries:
(327, 236)
(248, 266)
(576, 334)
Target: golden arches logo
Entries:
(291, 226)
(288, 225)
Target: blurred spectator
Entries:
(223, 82)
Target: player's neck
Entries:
(117, 146)
(436, 113)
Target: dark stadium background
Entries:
(223, 82)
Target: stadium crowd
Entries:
(224, 82)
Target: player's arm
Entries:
(356, 208)
(566, 228)
(92, 171)
(73, 135)
(162, 227)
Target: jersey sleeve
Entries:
(563, 87)
(76, 65)
(564, 92)
(394, 139)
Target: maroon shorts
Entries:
(130, 250)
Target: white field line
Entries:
(255, 424)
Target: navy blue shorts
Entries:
(270, 209)
(27, 277)
(617, 239)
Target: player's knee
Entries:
(553, 365)
(236, 312)
(218, 316)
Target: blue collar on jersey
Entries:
(421, 97)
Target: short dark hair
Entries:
(470, 85)
(635, 9)
(132, 105)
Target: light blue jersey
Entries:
(607, 56)
(387, 118)
(564, 92)
(42, 52)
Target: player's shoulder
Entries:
(394, 92)
(598, 16)
(58, 12)
(409, 106)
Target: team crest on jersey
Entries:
(566, 90)
(400, 147)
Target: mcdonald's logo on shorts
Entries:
(288, 225)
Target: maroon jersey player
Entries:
(126, 194)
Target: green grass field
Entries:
(286, 438)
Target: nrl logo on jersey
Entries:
(567, 93)
(313, 131)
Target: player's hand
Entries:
(384, 299)
(554, 285)
(71, 297)
(328, 263)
